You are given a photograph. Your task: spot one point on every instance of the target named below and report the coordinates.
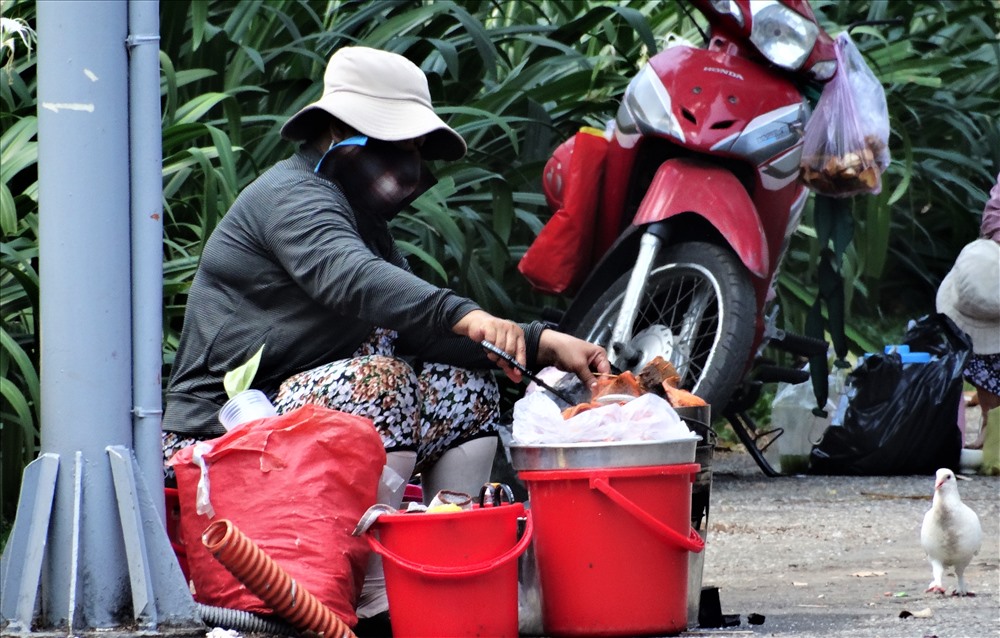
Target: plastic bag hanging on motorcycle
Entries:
(845, 147)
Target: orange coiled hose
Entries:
(268, 581)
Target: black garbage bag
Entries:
(901, 418)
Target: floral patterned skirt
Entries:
(983, 371)
(429, 410)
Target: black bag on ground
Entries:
(901, 418)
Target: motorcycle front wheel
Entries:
(698, 312)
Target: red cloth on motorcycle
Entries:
(296, 484)
(560, 257)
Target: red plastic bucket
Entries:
(611, 546)
(452, 573)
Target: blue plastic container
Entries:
(904, 353)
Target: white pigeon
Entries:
(951, 533)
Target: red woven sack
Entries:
(296, 485)
(559, 258)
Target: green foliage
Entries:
(515, 77)
(941, 74)
(19, 350)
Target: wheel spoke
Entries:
(688, 306)
(694, 319)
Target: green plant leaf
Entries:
(8, 212)
(240, 379)
(424, 256)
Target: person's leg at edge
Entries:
(987, 402)
(983, 373)
(464, 468)
(458, 437)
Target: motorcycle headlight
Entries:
(646, 107)
(783, 36)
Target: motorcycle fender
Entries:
(688, 186)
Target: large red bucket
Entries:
(453, 573)
(611, 546)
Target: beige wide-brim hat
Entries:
(382, 95)
(970, 294)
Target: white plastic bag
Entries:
(203, 500)
(792, 412)
(538, 420)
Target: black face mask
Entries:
(378, 178)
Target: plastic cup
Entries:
(246, 406)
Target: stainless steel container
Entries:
(566, 456)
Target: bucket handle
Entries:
(692, 543)
(475, 569)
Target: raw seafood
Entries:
(657, 377)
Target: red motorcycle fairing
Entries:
(719, 197)
(723, 106)
(714, 94)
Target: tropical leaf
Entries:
(239, 379)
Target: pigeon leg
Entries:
(962, 589)
(938, 570)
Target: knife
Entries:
(523, 370)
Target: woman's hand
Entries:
(480, 325)
(570, 354)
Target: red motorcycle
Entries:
(694, 192)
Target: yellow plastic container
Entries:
(991, 445)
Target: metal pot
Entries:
(566, 456)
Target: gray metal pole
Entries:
(86, 375)
(89, 544)
(147, 240)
